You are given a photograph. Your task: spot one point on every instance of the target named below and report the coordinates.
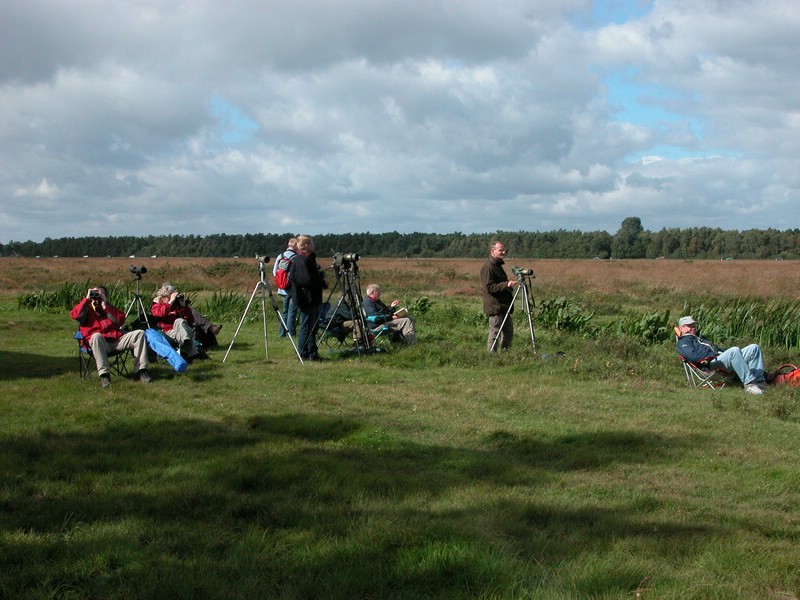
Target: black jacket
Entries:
(306, 281)
(379, 312)
(497, 296)
(696, 348)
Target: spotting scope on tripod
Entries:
(262, 286)
(141, 313)
(523, 288)
(345, 267)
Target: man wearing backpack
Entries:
(280, 271)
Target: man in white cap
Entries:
(746, 362)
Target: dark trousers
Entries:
(307, 335)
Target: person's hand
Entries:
(172, 297)
(394, 303)
(512, 282)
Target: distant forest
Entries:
(630, 241)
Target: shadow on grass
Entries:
(18, 365)
(298, 506)
(24, 365)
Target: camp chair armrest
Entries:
(705, 363)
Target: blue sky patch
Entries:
(233, 125)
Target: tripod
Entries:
(136, 301)
(260, 287)
(524, 286)
(347, 279)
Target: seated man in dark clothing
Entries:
(746, 362)
(378, 312)
(341, 323)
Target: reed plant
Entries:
(773, 323)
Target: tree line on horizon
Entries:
(630, 241)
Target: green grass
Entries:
(429, 472)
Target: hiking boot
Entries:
(214, 329)
(199, 355)
(105, 380)
(752, 388)
(142, 376)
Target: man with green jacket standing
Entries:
(498, 298)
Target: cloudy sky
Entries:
(139, 117)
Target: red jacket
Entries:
(92, 319)
(168, 314)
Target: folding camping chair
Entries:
(701, 375)
(382, 332)
(332, 331)
(117, 359)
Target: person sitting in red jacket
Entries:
(176, 320)
(100, 323)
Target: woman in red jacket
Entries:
(175, 319)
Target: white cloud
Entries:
(205, 117)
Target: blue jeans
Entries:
(307, 335)
(289, 314)
(746, 362)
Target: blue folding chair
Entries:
(117, 359)
(381, 331)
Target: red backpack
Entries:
(785, 375)
(282, 271)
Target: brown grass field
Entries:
(435, 277)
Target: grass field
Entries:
(435, 471)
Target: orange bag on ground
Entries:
(785, 375)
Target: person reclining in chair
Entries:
(378, 312)
(100, 323)
(746, 362)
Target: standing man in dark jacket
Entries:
(498, 298)
(306, 288)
